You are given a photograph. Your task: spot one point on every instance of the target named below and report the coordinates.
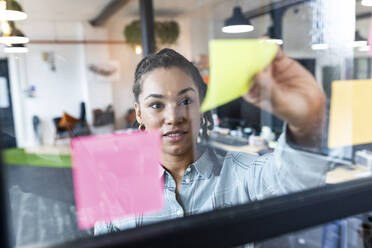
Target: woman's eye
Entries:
(186, 101)
(156, 105)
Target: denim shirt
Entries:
(215, 181)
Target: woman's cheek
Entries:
(196, 124)
(153, 121)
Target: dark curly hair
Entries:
(167, 58)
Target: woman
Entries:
(168, 91)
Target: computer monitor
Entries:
(239, 113)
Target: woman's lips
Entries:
(175, 136)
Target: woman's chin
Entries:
(180, 147)
(176, 150)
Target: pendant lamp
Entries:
(9, 34)
(16, 48)
(11, 10)
(271, 37)
(359, 41)
(238, 23)
(319, 44)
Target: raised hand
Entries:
(290, 92)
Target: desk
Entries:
(344, 174)
(60, 149)
(337, 175)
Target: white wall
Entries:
(127, 59)
(56, 92)
(17, 79)
(72, 82)
(98, 89)
(60, 90)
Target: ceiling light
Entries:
(272, 37)
(14, 40)
(11, 10)
(16, 48)
(359, 41)
(138, 49)
(238, 23)
(367, 3)
(275, 41)
(319, 46)
(9, 34)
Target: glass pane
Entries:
(225, 118)
(354, 231)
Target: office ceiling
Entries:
(84, 10)
(62, 10)
(88, 9)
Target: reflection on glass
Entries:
(353, 231)
(168, 92)
(271, 140)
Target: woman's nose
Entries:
(174, 115)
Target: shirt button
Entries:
(179, 212)
(187, 180)
(188, 169)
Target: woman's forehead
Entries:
(166, 81)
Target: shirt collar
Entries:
(204, 165)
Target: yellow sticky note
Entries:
(233, 64)
(350, 114)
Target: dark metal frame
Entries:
(6, 236)
(147, 27)
(247, 223)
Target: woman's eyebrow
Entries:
(179, 93)
(154, 95)
(185, 90)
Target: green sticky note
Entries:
(233, 64)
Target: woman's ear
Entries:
(138, 113)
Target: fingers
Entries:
(264, 79)
(283, 63)
(254, 93)
(261, 90)
(279, 54)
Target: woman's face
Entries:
(169, 101)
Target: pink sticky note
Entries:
(116, 175)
